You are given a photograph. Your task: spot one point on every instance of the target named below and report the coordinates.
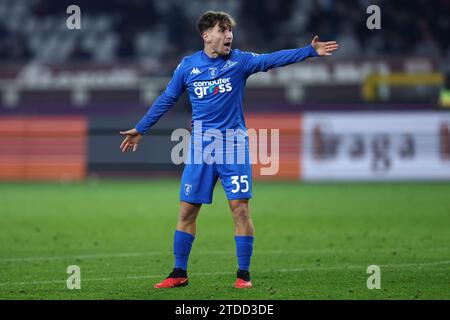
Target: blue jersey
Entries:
(216, 86)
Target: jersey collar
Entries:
(219, 58)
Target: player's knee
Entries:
(188, 213)
(187, 217)
(241, 212)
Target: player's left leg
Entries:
(237, 182)
(243, 224)
(244, 232)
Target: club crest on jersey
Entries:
(187, 189)
(213, 72)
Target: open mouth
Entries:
(227, 44)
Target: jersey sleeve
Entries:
(254, 63)
(165, 101)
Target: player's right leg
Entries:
(182, 244)
(197, 186)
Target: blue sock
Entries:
(182, 243)
(244, 249)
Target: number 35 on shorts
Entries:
(240, 183)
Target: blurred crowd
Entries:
(161, 32)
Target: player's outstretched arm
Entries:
(161, 105)
(131, 141)
(254, 63)
(324, 48)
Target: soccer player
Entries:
(215, 79)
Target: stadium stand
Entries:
(135, 30)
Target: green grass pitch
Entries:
(312, 241)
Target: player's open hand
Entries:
(324, 48)
(131, 141)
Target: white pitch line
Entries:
(305, 269)
(150, 253)
(400, 265)
(155, 253)
(86, 256)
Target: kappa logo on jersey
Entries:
(228, 64)
(195, 71)
(214, 87)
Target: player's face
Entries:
(220, 39)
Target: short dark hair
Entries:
(210, 18)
